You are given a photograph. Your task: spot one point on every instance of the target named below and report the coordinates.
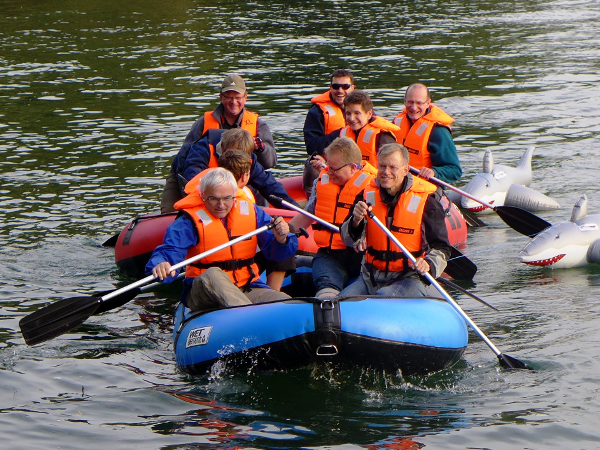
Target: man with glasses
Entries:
(211, 216)
(425, 131)
(332, 196)
(410, 209)
(325, 119)
(236, 156)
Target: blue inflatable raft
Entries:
(415, 335)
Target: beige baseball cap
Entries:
(235, 83)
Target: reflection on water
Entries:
(95, 99)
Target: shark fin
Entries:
(525, 161)
(528, 199)
(580, 209)
(488, 162)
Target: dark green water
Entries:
(97, 96)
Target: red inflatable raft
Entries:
(142, 235)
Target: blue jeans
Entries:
(411, 287)
(335, 268)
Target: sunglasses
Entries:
(336, 86)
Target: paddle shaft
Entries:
(191, 260)
(518, 219)
(452, 188)
(331, 226)
(433, 281)
(151, 286)
(464, 291)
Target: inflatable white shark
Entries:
(501, 185)
(568, 244)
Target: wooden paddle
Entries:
(518, 219)
(64, 315)
(459, 266)
(505, 360)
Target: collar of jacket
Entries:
(390, 199)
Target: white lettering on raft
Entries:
(198, 336)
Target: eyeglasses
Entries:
(336, 86)
(237, 98)
(331, 170)
(412, 103)
(383, 168)
(214, 201)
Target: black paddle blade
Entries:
(115, 302)
(460, 267)
(111, 241)
(56, 319)
(509, 362)
(472, 220)
(522, 221)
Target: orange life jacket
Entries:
(193, 186)
(332, 113)
(236, 261)
(405, 225)
(334, 203)
(249, 122)
(416, 137)
(367, 137)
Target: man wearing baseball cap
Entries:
(230, 113)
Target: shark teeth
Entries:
(477, 208)
(546, 262)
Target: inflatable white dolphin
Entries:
(568, 244)
(501, 185)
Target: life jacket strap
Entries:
(227, 266)
(384, 255)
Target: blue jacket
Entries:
(198, 157)
(182, 234)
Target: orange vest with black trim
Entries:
(416, 137)
(194, 184)
(332, 113)
(367, 137)
(405, 225)
(249, 122)
(236, 261)
(334, 203)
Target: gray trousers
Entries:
(214, 289)
(170, 194)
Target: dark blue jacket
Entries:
(315, 138)
(183, 234)
(198, 156)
